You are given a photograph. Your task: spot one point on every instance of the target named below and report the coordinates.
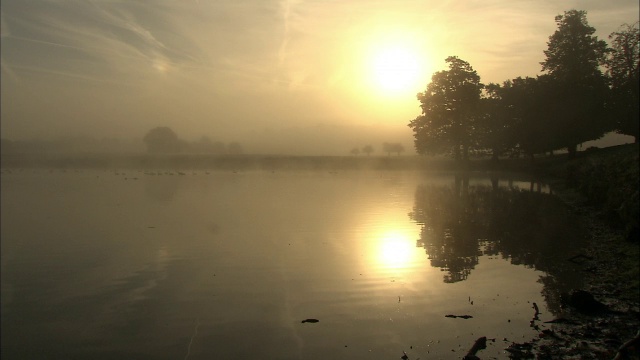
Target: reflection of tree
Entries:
(449, 230)
(461, 222)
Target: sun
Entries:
(395, 69)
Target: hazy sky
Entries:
(317, 76)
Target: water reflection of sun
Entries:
(396, 250)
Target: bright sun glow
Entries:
(396, 69)
(395, 250)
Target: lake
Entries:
(125, 264)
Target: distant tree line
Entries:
(588, 89)
(388, 148)
(163, 139)
(157, 140)
(367, 149)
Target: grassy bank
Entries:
(605, 180)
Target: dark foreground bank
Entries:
(601, 320)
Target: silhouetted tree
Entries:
(368, 149)
(398, 148)
(572, 61)
(392, 148)
(355, 151)
(449, 110)
(162, 140)
(623, 65)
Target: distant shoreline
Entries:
(208, 162)
(541, 165)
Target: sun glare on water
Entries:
(396, 250)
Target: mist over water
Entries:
(281, 179)
(226, 264)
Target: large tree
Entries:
(623, 65)
(573, 58)
(162, 140)
(449, 110)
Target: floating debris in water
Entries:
(313, 321)
(459, 316)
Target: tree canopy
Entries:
(573, 52)
(566, 105)
(573, 60)
(162, 140)
(449, 111)
(392, 148)
(623, 64)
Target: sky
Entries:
(315, 77)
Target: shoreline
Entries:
(610, 275)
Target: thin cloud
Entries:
(67, 74)
(109, 34)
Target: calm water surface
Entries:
(223, 265)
